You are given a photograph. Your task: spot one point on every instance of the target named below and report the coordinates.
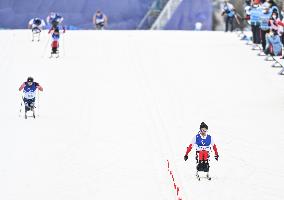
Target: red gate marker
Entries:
(177, 189)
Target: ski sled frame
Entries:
(54, 50)
(100, 26)
(203, 177)
(36, 34)
(25, 112)
(54, 54)
(30, 116)
(202, 170)
(26, 116)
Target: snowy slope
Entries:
(116, 105)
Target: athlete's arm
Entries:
(22, 86)
(214, 147)
(188, 149)
(38, 86)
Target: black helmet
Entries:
(30, 79)
(37, 21)
(203, 125)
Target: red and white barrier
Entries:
(176, 188)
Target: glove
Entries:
(217, 157)
(185, 158)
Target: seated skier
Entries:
(54, 20)
(100, 20)
(30, 88)
(203, 142)
(36, 25)
(55, 41)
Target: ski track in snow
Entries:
(118, 104)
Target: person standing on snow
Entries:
(255, 14)
(230, 12)
(264, 24)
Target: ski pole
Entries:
(38, 103)
(236, 17)
(21, 106)
(21, 109)
(63, 44)
(44, 50)
(38, 38)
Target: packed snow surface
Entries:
(117, 105)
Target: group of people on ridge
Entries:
(266, 21)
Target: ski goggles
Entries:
(203, 130)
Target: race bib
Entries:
(98, 20)
(30, 95)
(200, 148)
